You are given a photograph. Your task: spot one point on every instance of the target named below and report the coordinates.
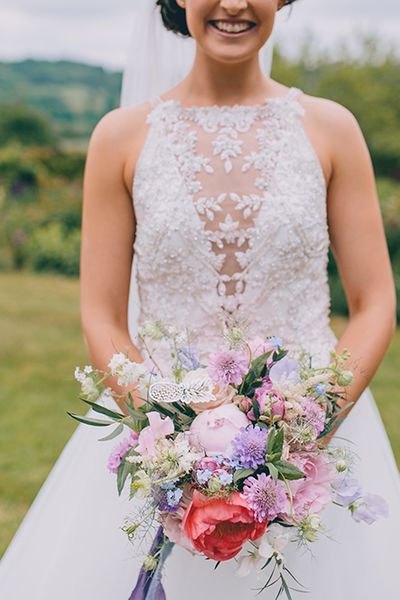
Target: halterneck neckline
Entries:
(290, 94)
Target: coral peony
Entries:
(219, 527)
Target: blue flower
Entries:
(174, 497)
(225, 478)
(203, 476)
(188, 359)
(320, 389)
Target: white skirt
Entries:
(70, 544)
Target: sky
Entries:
(98, 31)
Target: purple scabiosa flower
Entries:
(118, 453)
(266, 497)
(315, 415)
(228, 367)
(249, 446)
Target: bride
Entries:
(227, 192)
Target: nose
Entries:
(233, 7)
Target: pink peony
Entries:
(148, 437)
(228, 367)
(214, 430)
(119, 451)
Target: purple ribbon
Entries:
(149, 585)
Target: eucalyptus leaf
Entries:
(123, 472)
(89, 421)
(117, 431)
(104, 411)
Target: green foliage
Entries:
(20, 123)
(51, 249)
(74, 96)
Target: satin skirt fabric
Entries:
(70, 544)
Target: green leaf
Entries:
(273, 471)
(117, 431)
(288, 471)
(277, 447)
(256, 409)
(242, 474)
(123, 472)
(89, 421)
(136, 415)
(104, 411)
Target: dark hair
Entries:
(174, 17)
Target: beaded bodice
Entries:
(230, 206)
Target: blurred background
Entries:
(60, 71)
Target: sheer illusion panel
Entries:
(231, 221)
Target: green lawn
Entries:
(41, 343)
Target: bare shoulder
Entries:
(329, 114)
(120, 125)
(118, 137)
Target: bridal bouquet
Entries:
(227, 452)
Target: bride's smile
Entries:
(230, 30)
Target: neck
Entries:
(210, 82)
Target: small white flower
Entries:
(79, 375)
(88, 369)
(247, 564)
(89, 389)
(116, 362)
(130, 372)
(278, 537)
(310, 527)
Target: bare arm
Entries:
(360, 250)
(108, 231)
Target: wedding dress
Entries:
(230, 205)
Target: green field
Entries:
(41, 343)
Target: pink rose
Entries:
(267, 398)
(312, 494)
(214, 430)
(260, 346)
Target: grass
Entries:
(41, 343)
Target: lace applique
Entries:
(230, 206)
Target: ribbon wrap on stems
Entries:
(149, 585)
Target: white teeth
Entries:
(231, 27)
